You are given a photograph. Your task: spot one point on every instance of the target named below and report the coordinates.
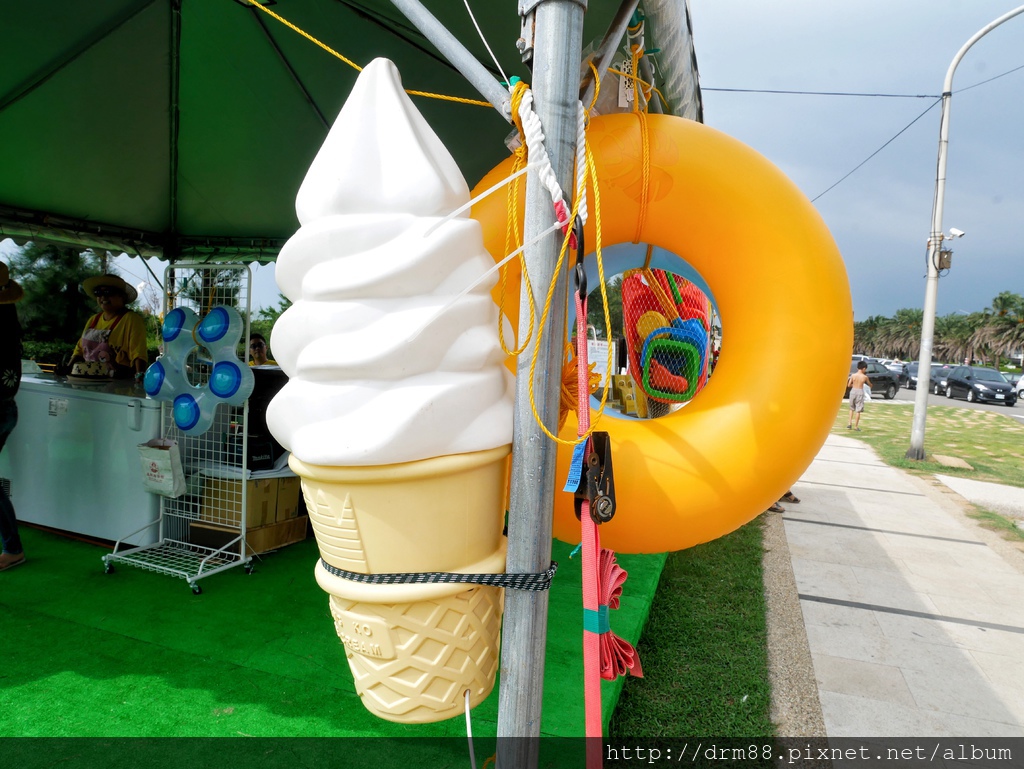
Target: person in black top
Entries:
(10, 379)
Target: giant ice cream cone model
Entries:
(398, 409)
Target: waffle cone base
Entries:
(414, 649)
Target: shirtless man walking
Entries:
(857, 381)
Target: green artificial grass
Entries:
(133, 653)
(704, 649)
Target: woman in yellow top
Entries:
(114, 335)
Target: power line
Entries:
(829, 93)
(865, 160)
(1004, 74)
(875, 95)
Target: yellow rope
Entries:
(645, 146)
(513, 236)
(638, 90)
(356, 67)
(648, 87)
(609, 361)
(591, 172)
(647, 259)
(597, 88)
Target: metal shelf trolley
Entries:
(215, 463)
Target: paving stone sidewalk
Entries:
(914, 616)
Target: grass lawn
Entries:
(704, 649)
(991, 442)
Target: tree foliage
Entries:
(54, 309)
(264, 320)
(595, 308)
(995, 333)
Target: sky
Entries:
(880, 215)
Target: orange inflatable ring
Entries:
(784, 300)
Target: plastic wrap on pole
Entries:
(668, 29)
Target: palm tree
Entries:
(911, 322)
(1003, 332)
(901, 334)
(1005, 302)
(867, 333)
(953, 337)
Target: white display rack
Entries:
(209, 509)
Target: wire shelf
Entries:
(179, 559)
(199, 531)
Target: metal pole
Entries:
(606, 51)
(556, 67)
(924, 366)
(450, 47)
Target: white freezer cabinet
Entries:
(73, 459)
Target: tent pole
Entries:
(450, 47)
(606, 51)
(174, 119)
(558, 39)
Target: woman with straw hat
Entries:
(10, 378)
(115, 335)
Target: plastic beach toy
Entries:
(704, 470)
(230, 380)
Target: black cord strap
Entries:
(537, 581)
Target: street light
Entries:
(916, 450)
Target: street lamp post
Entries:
(916, 450)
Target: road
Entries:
(908, 396)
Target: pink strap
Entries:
(618, 657)
(605, 655)
(591, 548)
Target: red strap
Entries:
(605, 655)
(591, 548)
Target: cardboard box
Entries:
(212, 536)
(259, 540)
(222, 502)
(289, 490)
(277, 535)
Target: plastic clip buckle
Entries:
(581, 274)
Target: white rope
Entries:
(489, 191)
(483, 277)
(469, 734)
(483, 39)
(581, 160)
(534, 133)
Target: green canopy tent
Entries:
(184, 127)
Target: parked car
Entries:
(1018, 383)
(938, 376)
(900, 369)
(883, 381)
(979, 384)
(911, 383)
